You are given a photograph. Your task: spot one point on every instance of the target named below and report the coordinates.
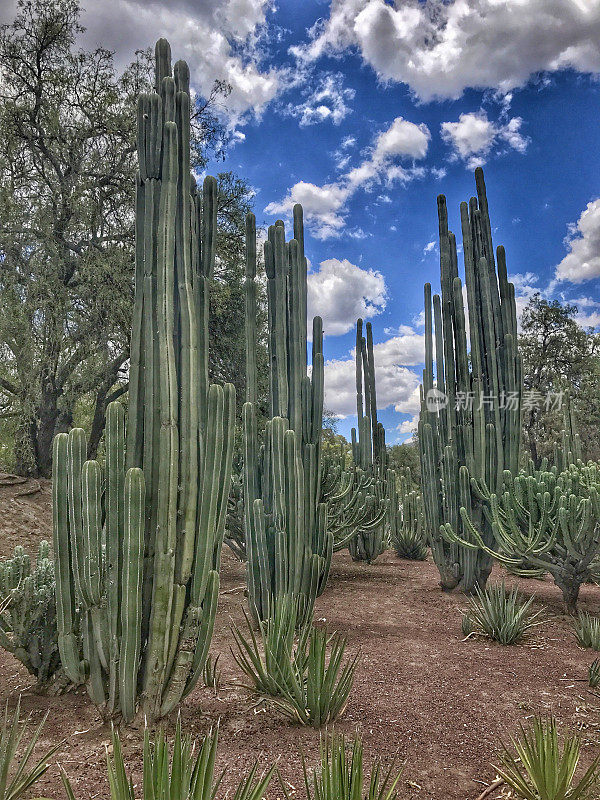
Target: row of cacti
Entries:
(137, 545)
(470, 422)
(288, 546)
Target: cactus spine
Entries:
(149, 597)
(287, 543)
(467, 444)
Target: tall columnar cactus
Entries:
(369, 452)
(407, 528)
(28, 612)
(470, 423)
(137, 550)
(287, 543)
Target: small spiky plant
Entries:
(211, 674)
(318, 693)
(269, 665)
(340, 774)
(502, 615)
(186, 774)
(537, 768)
(587, 630)
(410, 544)
(594, 674)
(16, 776)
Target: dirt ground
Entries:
(439, 702)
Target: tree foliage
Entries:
(558, 355)
(67, 178)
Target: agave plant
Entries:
(317, 694)
(587, 630)
(502, 615)
(537, 768)
(594, 674)
(189, 774)
(340, 775)
(211, 674)
(17, 775)
(269, 664)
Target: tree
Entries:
(558, 355)
(67, 183)
(403, 456)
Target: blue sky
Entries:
(365, 110)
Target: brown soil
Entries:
(420, 690)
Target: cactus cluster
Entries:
(407, 524)
(545, 521)
(28, 612)
(137, 545)
(369, 454)
(288, 545)
(352, 506)
(470, 422)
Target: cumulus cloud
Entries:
(474, 135)
(440, 48)
(582, 261)
(397, 385)
(326, 102)
(325, 206)
(409, 425)
(341, 292)
(218, 40)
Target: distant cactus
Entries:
(369, 455)
(470, 423)
(288, 545)
(407, 525)
(28, 612)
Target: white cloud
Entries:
(440, 48)
(430, 247)
(325, 206)
(397, 385)
(409, 425)
(326, 102)
(341, 292)
(474, 135)
(582, 261)
(218, 40)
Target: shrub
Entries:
(189, 774)
(539, 770)
(501, 615)
(587, 630)
(340, 776)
